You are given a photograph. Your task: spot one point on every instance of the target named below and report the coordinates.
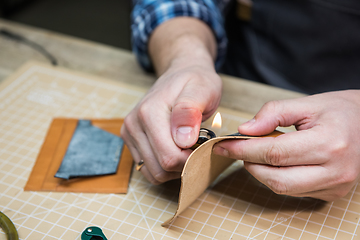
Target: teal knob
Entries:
(93, 233)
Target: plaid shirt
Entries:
(148, 14)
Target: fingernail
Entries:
(184, 136)
(221, 151)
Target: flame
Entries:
(217, 122)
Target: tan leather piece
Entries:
(201, 169)
(53, 151)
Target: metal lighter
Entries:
(204, 135)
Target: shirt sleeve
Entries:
(148, 14)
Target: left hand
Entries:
(320, 160)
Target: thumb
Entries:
(282, 113)
(187, 114)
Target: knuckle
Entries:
(143, 111)
(168, 163)
(185, 103)
(278, 187)
(271, 106)
(127, 121)
(154, 181)
(130, 123)
(160, 177)
(349, 177)
(275, 106)
(276, 156)
(344, 184)
(340, 193)
(127, 128)
(338, 147)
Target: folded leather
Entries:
(53, 151)
(201, 169)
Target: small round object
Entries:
(139, 165)
(89, 230)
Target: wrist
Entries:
(182, 42)
(194, 55)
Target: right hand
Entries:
(165, 124)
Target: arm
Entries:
(184, 58)
(166, 122)
(147, 15)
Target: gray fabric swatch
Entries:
(91, 152)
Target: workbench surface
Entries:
(98, 81)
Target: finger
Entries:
(151, 132)
(279, 113)
(151, 162)
(327, 194)
(136, 155)
(193, 103)
(140, 148)
(158, 142)
(144, 170)
(130, 144)
(294, 180)
(152, 169)
(284, 150)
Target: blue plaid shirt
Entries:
(148, 14)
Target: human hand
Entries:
(320, 160)
(166, 122)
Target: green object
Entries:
(93, 233)
(9, 228)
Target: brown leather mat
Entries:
(53, 151)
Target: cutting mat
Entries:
(236, 207)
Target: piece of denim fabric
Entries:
(91, 152)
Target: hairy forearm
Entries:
(182, 41)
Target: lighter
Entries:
(204, 135)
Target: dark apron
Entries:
(309, 46)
